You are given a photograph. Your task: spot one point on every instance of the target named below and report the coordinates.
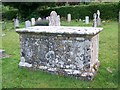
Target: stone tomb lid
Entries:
(61, 30)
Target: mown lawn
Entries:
(107, 76)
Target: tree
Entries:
(24, 8)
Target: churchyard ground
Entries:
(15, 77)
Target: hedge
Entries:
(108, 11)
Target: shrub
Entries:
(108, 10)
(41, 23)
(9, 15)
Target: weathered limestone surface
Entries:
(54, 19)
(62, 50)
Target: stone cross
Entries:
(98, 18)
(54, 19)
(27, 23)
(98, 14)
(33, 21)
(87, 19)
(69, 17)
(95, 20)
(16, 23)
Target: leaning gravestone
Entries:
(54, 19)
(69, 17)
(98, 18)
(33, 21)
(87, 19)
(27, 23)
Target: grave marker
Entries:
(39, 18)
(54, 19)
(69, 17)
(87, 19)
(95, 20)
(33, 21)
(98, 18)
(16, 23)
(27, 23)
(47, 18)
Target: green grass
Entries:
(13, 76)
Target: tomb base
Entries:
(68, 51)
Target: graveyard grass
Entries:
(15, 77)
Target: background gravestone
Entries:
(16, 23)
(95, 20)
(33, 21)
(39, 18)
(27, 23)
(54, 19)
(87, 19)
(69, 17)
(47, 18)
(98, 18)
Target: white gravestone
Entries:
(54, 19)
(94, 20)
(16, 23)
(33, 21)
(69, 17)
(47, 18)
(27, 23)
(98, 18)
(87, 19)
(58, 20)
(80, 20)
(39, 18)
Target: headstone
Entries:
(69, 17)
(27, 23)
(94, 20)
(39, 18)
(47, 18)
(98, 18)
(54, 19)
(16, 23)
(80, 20)
(87, 19)
(33, 21)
